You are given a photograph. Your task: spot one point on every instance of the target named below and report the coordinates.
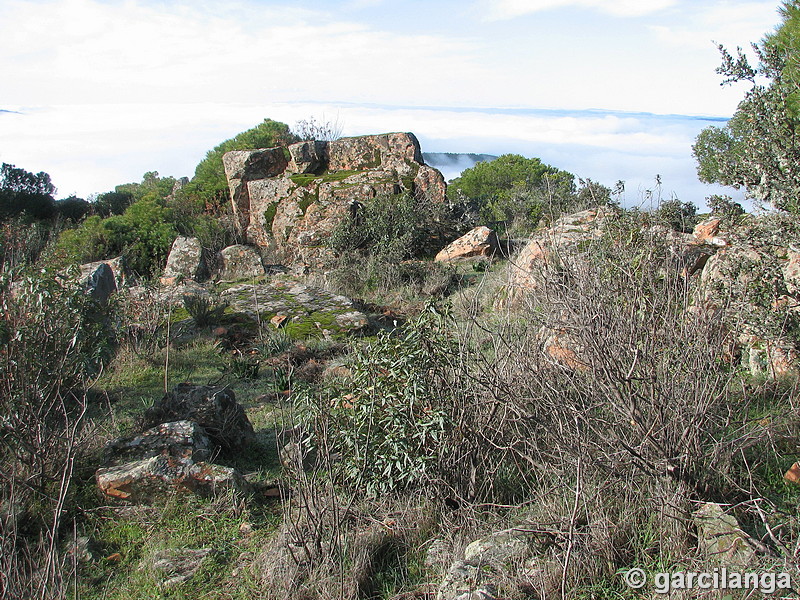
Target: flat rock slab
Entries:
(179, 439)
(153, 479)
(308, 310)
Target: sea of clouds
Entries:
(90, 148)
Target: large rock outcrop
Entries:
(290, 200)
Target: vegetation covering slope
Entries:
(516, 445)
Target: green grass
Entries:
(125, 545)
(269, 216)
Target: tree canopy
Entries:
(514, 189)
(25, 192)
(757, 149)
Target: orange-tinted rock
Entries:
(793, 474)
(567, 232)
(154, 478)
(480, 241)
(278, 321)
(791, 272)
(706, 232)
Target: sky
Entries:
(96, 93)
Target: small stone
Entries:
(793, 474)
(278, 321)
(246, 528)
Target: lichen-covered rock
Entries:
(791, 271)
(240, 262)
(213, 408)
(179, 439)
(308, 311)
(750, 286)
(480, 241)
(290, 202)
(490, 563)
(721, 539)
(186, 261)
(117, 266)
(307, 157)
(152, 479)
(567, 232)
(244, 166)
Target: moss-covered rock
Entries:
(309, 311)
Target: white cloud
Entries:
(730, 24)
(86, 50)
(91, 148)
(510, 9)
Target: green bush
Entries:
(512, 187)
(391, 421)
(677, 215)
(394, 227)
(209, 184)
(143, 234)
(202, 310)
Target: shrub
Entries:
(677, 215)
(51, 347)
(202, 310)
(394, 227)
(391, 421)
(143, 234)
(724, 207)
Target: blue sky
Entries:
(610, 89)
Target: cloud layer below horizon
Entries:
(106, 90)
(91, 148)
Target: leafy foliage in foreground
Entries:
(52, 342)
(391, 421)
(758, 149)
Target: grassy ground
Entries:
(619, 521)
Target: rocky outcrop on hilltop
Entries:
(289, 200)
(743, 276)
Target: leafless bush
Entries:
(311, 129)
(49, 352)
(143, 315)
